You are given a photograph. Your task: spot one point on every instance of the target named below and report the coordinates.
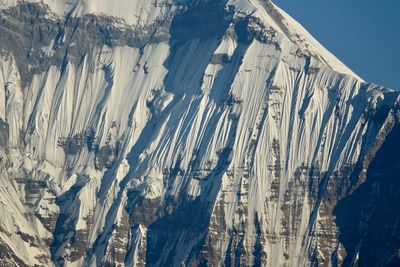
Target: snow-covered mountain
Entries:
(188, 132)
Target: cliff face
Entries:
(188, 132)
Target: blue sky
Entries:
(364, 34)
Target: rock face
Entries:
(167, 133)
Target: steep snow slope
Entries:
(181, 132)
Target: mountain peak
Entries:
(169, 133)
(140, 12)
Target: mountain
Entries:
(189, 132)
